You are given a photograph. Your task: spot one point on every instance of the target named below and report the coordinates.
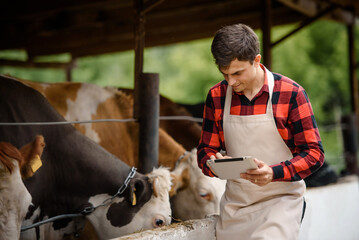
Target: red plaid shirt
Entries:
(294, 118)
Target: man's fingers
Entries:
(219, 156)
(259, 163)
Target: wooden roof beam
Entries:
(30, 64)
(183, 33)
(149, 5)
(305, 23)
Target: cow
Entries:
(77, 176)
(85, 101)
(202, 193)
(15, 165)
(14, 197)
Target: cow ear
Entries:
(9, 153)
(32, 153)
(137, 191)
(179, 181)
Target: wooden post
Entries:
(352, 76)
(68, 73)
(350, 122)
(350, 139)
(266, 30)
(146, 94)
(148, 121)
(139, 35)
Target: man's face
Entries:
(241, 75)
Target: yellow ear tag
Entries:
(134, 202)
(36, 163)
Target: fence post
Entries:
(350, 139)
(148, 121)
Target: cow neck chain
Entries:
(87, 210)
(90, 209)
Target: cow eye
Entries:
(205, 195)
(158, 221)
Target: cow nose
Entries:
(158, 221)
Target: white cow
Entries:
(201, 193)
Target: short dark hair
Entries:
(237, 41)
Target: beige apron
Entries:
(248, 211)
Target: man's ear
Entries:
(257, 60)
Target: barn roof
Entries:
(90, 27)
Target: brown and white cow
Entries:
(77, 173)
(84, 101)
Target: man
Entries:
(254, 112)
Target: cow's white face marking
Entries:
(14, 202)
(89, 97)
(203, 192)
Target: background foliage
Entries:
(316, 57)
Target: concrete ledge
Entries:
(191, 229)
(332, 213)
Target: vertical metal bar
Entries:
(350, 123)
(350, 139)
(149, 122)
(353, 82)
(139, 37)
(266, 30)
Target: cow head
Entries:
(192, 186)
(14, 197)
(156, 212)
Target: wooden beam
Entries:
(157, 33)
(350, 131)
(151, 4)
(266, 30)
(305, 23)
(55, 65)
(166, 35)
(354, 99)
(42, 8)
(96, 33)
(139, 37)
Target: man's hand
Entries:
(261, 176)
(218, 156)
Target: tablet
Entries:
(231, 168)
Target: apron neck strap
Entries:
(229, 92)
(270, 80)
